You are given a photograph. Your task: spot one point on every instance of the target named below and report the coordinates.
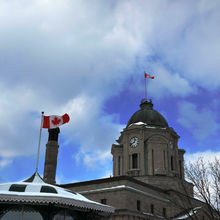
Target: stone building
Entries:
(148, 173)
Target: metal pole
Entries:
(145, 87)
(38, 151)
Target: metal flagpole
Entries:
(145, 86)
(38, 151)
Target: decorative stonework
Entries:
(156, 152)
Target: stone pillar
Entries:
(50, 164)
(117, 152)
(181, 153)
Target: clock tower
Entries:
(147, 150)
(148, 172)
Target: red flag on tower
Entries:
(147, 75)
(54, 121)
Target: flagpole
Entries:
(145, 86)
(38, 151)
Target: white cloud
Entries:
(54, 58)
(5, 162)
(95, 158)
(107, 174)
(106, 41)
(201, 123)
(71, 56)
(166, 83)
(91, 127)
(95, 130)
(61, 179)
(189, 41)
(18, 125)
(208, 156)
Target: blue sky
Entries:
(87, 59)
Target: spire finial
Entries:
(146, 104)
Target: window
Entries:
(129, 162)
(48, 189)
(138, 205)
(104, 201)
(21, 213)
(171, 162)
(164, 212)
(152, 208)
(134, 161)
(152, 162)
(17, 188)
(171, 145)
(164, 160)
(180, 165)
(119, 165)
(63, 215)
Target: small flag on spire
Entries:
(147, 75)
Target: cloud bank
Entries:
(71, 56)
(202, 123)
(207, 156)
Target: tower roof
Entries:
(148, 115)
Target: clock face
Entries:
(134, 141)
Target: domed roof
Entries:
(148, 115)
(35, 191)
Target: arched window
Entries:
(63, 215)
(152, 162)
(171, 163)
(152, 208)
(119, 165)
(164, 212)
(134, 161)
(22, 213)
(180, 165)
(138, 205)
(164, 159)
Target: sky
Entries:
(87, 59)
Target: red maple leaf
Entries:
(56, 121)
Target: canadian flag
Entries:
(147, 75)
(54, 121)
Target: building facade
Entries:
(148, 173)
